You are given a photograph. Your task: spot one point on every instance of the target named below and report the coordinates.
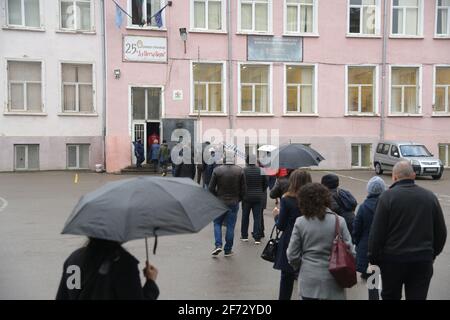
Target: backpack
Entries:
(346, 200)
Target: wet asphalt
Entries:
(34, 207)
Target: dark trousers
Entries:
(415, 276)
(373, 293)
(262, 222)
(255, 207)
(286, 285)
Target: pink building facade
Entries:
(354, 72)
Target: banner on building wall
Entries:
(144, 49)
(276, 49)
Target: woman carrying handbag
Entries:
(312, 242)
(284, 221)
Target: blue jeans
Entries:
(256, 207)
(230, 218)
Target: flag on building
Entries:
(158, 18)
(119, 16)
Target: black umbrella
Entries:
(141, 207)
(296, 155)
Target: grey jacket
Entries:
(228, 184)
(310, 249)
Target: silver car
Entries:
(388, 153)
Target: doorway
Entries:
(146, 111)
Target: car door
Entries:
(394, 156)
(385, 163)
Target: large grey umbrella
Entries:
(296, 155)
(141, 207)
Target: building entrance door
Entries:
(146, 105)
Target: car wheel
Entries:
(378, 169)
(437, 177)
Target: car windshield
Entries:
(415, 151)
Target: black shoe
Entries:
(216, 252)
(229, 253)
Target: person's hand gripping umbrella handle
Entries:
(150, 272)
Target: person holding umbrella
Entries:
(108, 272)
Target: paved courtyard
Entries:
(34, 207)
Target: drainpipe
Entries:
(383, 70)
(103, 14)
(230, 66)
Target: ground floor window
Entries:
(361, 155)
(77, 156)
(444, 154)
(26, 157)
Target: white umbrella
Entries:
(267, 148)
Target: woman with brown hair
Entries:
(285, 220)
(311, 244)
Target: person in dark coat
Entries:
(185, 170)
(139, 153)
(285, 220)
(107, 272)
(408, 233)
(256, 183)
(361, 229)
(281, 186)
(342, 201)
(209, 168)
(228, 184)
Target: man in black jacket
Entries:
(256, 183)
(228, 184)
(408, 232)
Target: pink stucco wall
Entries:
(331, 132)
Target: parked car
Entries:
(388, 153)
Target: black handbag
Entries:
(270, 251)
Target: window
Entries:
(386, 149)
(77, 88)
(146, 103)
(442, 90)
(76, 15)
(361, 155)
(380, 148)
(301, 16)
(364, 16)
(361, 90)
(77, 156)
(405, 90)
(26, 157)
(443, 18)
(142, 12)
(254, 88)
(24, 13)
(208, 87)
(208, 14)
(394, 152)
(407, 17)
(255, 15)
(24, 86)
(300, 91)
(444, 154)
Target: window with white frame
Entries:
(442, 90)
(208, 87)
(146, 103)
(24, 13)
(78, 156)
(208, 14)
(255, 15)
(254, 88)
(26, 157)
(76, 15)
(301, 16)
(77, 88)
(300, 89)
(444, 154)
(24, 86)
(363, 17)
(443, 18)
(361, 89)
(361, 155)
(143, 11)
(407, 17)
(405, 90)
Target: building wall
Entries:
(51, 130)
(331, 132)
